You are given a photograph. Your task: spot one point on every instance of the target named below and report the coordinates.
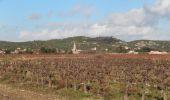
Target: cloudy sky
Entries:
(23, 20)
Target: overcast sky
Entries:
(23, 20)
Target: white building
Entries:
(106, 49)
(157, 52)
(132, 52)
(94, 48)
(126, 47)
(74, 50)
(2, 52)
(18, 50)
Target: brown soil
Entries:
(9, 93)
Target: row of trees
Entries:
(94, 75)
(41, 50)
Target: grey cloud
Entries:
(161, 8)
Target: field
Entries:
(86, 77)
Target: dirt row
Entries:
(9, 93)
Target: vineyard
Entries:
(105, 77)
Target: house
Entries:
(132, 52)
(94, 48)
(18, 50)
(157, 52)
(127, 48)
(106, 49)
(2, 52)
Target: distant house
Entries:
(94, 48)
(106, 49)
(157, 52)
(18, 50)
(127, 48)
(132, 52)
(2, 52)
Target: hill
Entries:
(109, 44)
(152, 44)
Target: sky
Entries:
(27, 20)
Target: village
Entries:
(75, 50)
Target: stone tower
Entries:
(74, 50)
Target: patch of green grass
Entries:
(73, 95)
